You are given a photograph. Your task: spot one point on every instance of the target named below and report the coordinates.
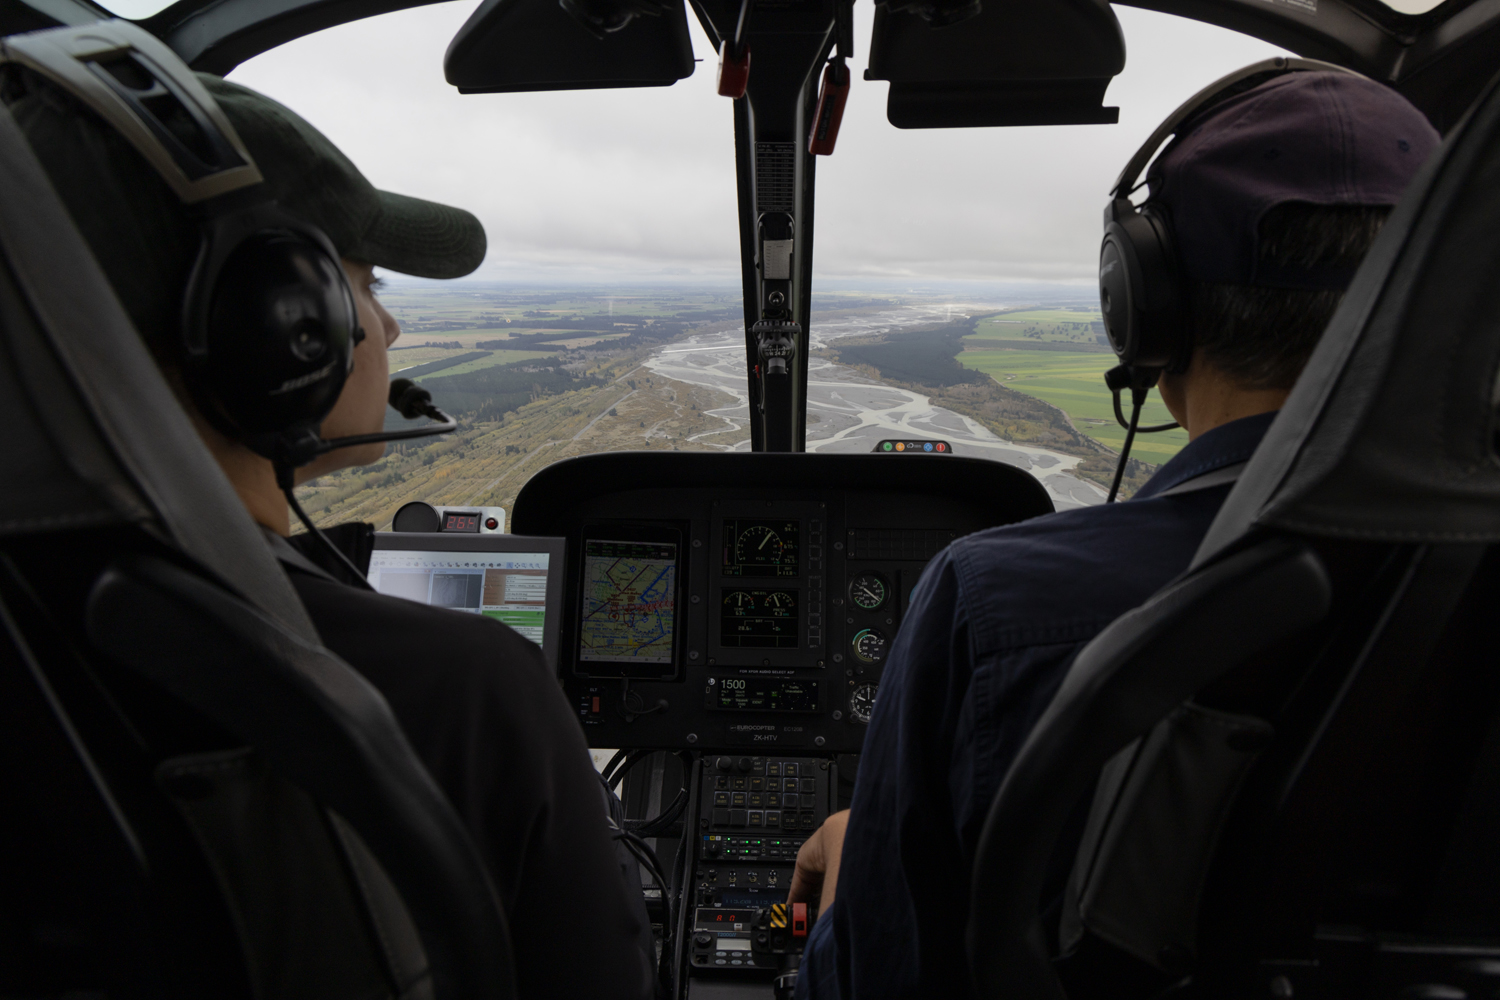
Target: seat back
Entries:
(200, 800)
(1291, 751)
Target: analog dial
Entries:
(758, 543)
(869, 591)
(869, 645)
(739, 600)
(779, 602)
(862, 703)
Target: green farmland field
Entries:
(1074, 383)
(410, 359)
(1039, 324)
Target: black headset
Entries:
(1142, 293)
(268, 321)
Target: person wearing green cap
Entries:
(475, 699)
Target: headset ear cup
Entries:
(1139, 290)
(275, 335)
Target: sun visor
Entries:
(524, 45)
(1020, 62)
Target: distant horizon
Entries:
(1070, 291)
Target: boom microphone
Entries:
(408, 399)
(411, 401)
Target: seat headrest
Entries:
(94, 435)
(1389, 434)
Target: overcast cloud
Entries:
(638, 185)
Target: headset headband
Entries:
(1221, 89)
(79, 60)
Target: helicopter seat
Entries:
(200, 801)
(1285, 766)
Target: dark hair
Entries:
(1261, 337)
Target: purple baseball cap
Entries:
(1322, 138)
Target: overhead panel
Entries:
(522, 45)
(1019, 62)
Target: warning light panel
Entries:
(894, 447)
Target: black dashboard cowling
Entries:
(782, 652)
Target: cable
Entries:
(284, 480)
(647, 857)
(609, 769)
(1153, 429)
(615, 770)
(1137, 398)
(630, 712)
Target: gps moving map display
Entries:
(758, 619)
(509, 586)
(761, 547)
(629, 602)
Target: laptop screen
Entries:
(515, 579)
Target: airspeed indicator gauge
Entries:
(869, 645)
(868, 591)
(862, 703)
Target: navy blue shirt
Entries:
(993, 626)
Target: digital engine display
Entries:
(760, 547)
(758, 619)
(461, 522)
(762, 694)
(629, 601)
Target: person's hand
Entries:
(817, 873)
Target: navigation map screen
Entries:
(510, 586)
(629, 602)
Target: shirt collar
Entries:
(1227, 444)
(288, 555)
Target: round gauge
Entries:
(868, 591)
(758, 544)
(862, 703)
(869, 645)
(780, 604)
(739, 600)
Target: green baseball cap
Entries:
(313, 180)
(146, 240)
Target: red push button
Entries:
(595, 706)
(799, 920)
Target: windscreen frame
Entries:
(557, 567)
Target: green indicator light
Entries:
(886, 446)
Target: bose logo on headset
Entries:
(268, 321)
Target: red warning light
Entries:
(941, 446)
(492, 524)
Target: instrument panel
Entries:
(740, 601)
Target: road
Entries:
(849, 412)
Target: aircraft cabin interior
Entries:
(1286, 764)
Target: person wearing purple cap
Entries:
(1275, 185)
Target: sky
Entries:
(638, 186)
